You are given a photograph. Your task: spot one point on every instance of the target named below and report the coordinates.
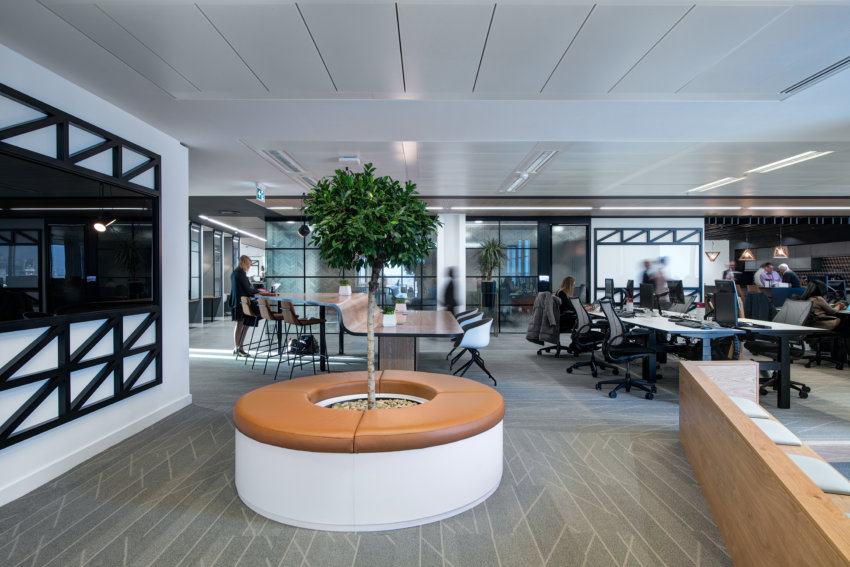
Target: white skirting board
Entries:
(368, 491)
(32, 479)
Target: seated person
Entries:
(815, 292)
(568, 316)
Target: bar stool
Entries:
(297, 324)
(276, 319)
(247, 311)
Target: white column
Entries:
(451, 253)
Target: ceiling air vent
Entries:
(308, 181)
(820, 75)
(287, 161)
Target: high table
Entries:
(397, 345)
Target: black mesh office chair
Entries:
(794, 312)
(619, 346)
(587, 337)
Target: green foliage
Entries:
(344, 282)
(388, 309)
(491, 255)
(361, 220)
(128, 256)
(399, 301)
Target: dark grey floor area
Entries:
(587, 480)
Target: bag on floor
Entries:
(305, 344)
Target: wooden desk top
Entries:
(352, 315)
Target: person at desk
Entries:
(788, 276)
(815, 292)
(240, 286)
(568, 315)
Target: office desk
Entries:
(397, 345)
(784, 332)
(661, 324)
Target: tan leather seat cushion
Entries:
(285, 415)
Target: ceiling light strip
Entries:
(232, 228)
(715, 184)
(707, 208)
(794, 208)
(484, 208)
(799, 158)
(541, 160)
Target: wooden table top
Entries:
(352, 314)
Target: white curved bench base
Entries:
(368, 491)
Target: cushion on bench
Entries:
(823, 474)
(750, 408)
(777, 432)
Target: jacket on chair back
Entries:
(545, 324)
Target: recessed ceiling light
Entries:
(232, 228)
(281, 208)
(671, 208)
(540, 161)
(805, 156)
(714, 184)
(434, 208)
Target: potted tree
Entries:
(362, 221)
(491, 255)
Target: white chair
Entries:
(475, 337)
(469, 320)
(461, 317)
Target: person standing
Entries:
(730, 273)
(788, 276)
(240, 286)
(449, 299)
(764, 275)
(646, 276)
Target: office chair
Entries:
(275, 319)
(475, 337)
(297, 324)
(794, 312)
(619, 346)
(587, 337)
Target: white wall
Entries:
(30, 463)
(714, 270)
(451, 253)
(630, 222)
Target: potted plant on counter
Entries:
(362, 221)
(389, 316)
(400, 305)
(344, 287)
(491, 255)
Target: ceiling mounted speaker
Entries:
(746, 255)
(303, 231)
(712, 256)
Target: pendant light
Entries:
(712, 256)
(780, 251)
(747, 254)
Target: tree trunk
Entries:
(377, 267)
(370, 349)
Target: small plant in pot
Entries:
(389, 316)
(344, 287)
(491, 255)
(400, 305)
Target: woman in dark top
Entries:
(567, 290)
(240, 286)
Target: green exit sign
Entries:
(261, 194)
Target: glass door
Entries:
(569, 256)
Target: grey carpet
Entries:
(587, 480)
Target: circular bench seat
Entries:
(311, 466)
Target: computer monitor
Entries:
(609, 288)
(630, 290)
(677, 292)
(725, 303)
(647, 293)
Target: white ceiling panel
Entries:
(524, 46)
(103, 30)
(612, 40)
(359, 45)
(274, 42)
(442, 45)
(183, 38)
(800, 42)
(705, 36)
